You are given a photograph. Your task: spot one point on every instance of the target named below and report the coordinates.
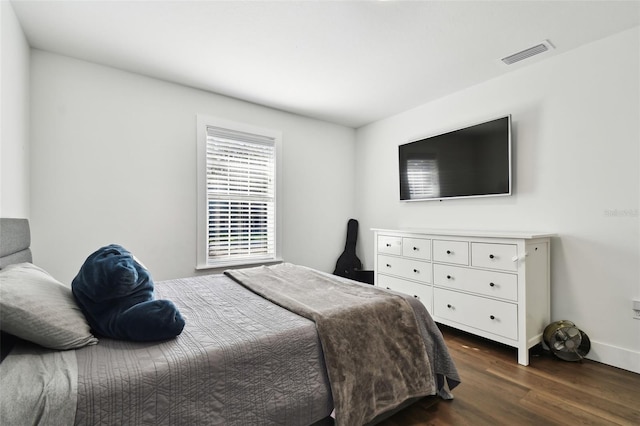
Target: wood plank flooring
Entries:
(496, 390)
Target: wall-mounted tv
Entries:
(474, 161)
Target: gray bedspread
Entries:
(374, 348)
(240, 360)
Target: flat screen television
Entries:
(474, 161)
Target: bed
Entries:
(250, 353)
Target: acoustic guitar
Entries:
(348, 262)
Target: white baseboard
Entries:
(615, 356)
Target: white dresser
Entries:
(492, 284)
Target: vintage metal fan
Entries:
(566, 341)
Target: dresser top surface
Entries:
(468, 233)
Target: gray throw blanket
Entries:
(375, 356)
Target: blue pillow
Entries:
(116, 295)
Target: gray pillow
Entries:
(36, 307)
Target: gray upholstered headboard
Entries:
(15, 239)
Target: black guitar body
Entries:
(348, 262)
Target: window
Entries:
(236, 193)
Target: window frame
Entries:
(202, 217)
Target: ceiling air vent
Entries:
(527, 53)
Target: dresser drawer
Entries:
(495, 256)
(419, 291)
(492, 316)
(406, 268)
(418, 248)
(488, 283)
(451, 251)
(390, 245)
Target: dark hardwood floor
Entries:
(496, 390)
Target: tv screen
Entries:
(474, 161)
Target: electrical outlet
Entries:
(636, 309)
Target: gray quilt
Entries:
(240, 360)
(374, 348)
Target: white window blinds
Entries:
(240, 186)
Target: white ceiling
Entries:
(348, 62)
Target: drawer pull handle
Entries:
(449, 306)
(416, 271)
(448, 277)
(388, 288)
(388, 266)
(492, 317)
(416, 296)
(492, 285)
(491, 256)
(449, 252)
(388, 245)
(416, 249)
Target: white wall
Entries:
(113, 160)
(576, 135)
(14, 117)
